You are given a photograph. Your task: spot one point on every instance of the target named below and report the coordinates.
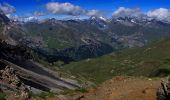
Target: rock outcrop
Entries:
(10, 83)
(163, 92)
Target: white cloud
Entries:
(128, 12)
(70, 9)
(7, 8)
(30, 18)
(64, 8)
(38, 13)
(160, 14)
(23, 18)
(93, 13)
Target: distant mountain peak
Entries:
(98, 18)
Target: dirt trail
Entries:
(124, 88)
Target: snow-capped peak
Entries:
(102, 18)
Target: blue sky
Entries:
(107, 7)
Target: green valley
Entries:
(151, 61)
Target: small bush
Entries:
(82, 90)
(161, 72)
(43, 95)
(2, 96)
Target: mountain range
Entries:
(74, 40)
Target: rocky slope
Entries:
(20, 73)
(33, 74)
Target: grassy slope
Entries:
(151, 61)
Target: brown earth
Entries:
(125, 88)
(118, 88)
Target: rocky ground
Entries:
(124, 88)
(11, 84)
(118, 88)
